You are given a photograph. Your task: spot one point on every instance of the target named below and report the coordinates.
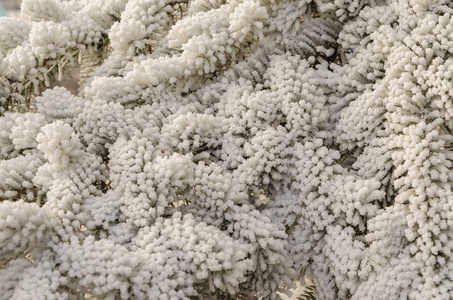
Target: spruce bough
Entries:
(226, 149)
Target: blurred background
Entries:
(10, 8)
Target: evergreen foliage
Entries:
(223, 149)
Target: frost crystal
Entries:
(225, 149)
